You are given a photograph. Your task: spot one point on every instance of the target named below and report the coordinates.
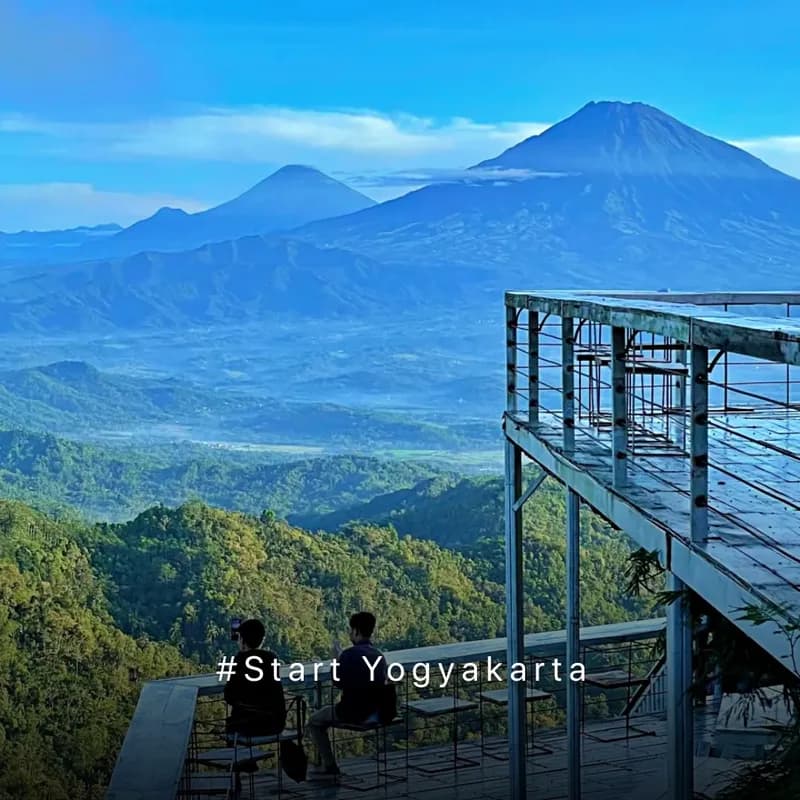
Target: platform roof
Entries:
(685, 317)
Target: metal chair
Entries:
(500, 697)
(383, 777)
(240, 749)
(610, 680)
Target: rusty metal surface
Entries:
(691, 322)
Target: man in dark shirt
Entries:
(362, 679)
(258, 706)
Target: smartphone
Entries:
(235, 623)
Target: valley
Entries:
(288, 405)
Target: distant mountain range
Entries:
(27, 245)
(290, 197)
(219, 283)
(74, 399)
(115, 483)
(617, 194)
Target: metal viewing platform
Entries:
(159, 759)
(678, 421)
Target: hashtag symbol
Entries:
(225, 668)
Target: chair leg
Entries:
(385, 757)
(377, 757)
(252, 781)
(280, 769)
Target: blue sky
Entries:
(110, 110)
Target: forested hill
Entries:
(455, 511)
(467, 514)
(73, 398)
(452, 510)
(81, 605)
(116, 483)
(180, 574)
(65, 691)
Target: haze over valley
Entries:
(302, 302)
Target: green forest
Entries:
(115, 483)
(86, 604)
(66, 694)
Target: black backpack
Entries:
(294, 760)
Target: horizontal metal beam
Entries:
(676, 325)
(708, 298)
(770, 339)
(693, 298)
(721, 588)
(759, 337)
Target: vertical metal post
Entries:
(511, 359)
(619, 407)
(568, 382)
(573, 644)
(699, 445)
(515, 623)
(573, 564)
(788, 368)
(680, 383)
(725, 375)
(680, 725)
(533, 367)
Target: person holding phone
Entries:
(255, 696)
(362, 682)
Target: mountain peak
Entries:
(297, 171)
(294, 191)
(291, 196)
(629, 138)
(70, 371)
(622, 108)
(169, 212)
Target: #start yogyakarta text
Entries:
(422, 675)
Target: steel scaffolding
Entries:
(677, 421)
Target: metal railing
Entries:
(155, 760)
(744, 392)
(679, 421)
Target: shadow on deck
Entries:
(632, 770)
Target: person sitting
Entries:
(256, 699)
(362, 688)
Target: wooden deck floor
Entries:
(612, 771)
(754, 495)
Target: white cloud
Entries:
(383, 154)
(348, 143)
(781, 152)
(259, 134)
(344, 140)
(44, 206)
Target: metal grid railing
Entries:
(753, 418)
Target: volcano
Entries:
(291, 196)
(618, 193)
